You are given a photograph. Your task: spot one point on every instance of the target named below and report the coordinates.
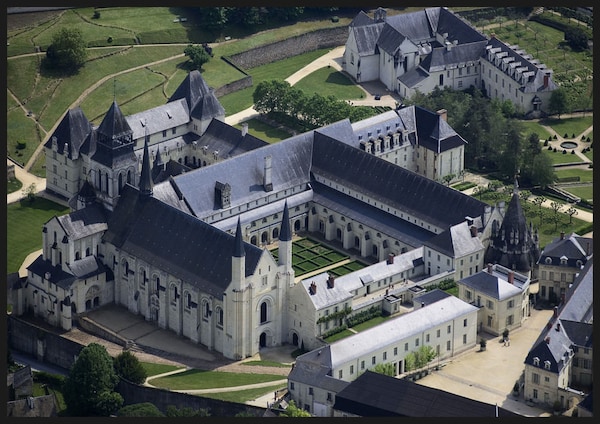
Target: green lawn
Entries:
(200, 379)
(24, 228)
(13, 185)
(370, 323)
(559, 157)
(265, 131)
(583, 174)
(243, 396)
(329, 82)
(570, 126)
(586, 192)
(156, 369)
(266, 364)
(338, 336)
(530, 127)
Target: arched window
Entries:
(206, 312)
(77, 256)
(264, 312)
(220, 316)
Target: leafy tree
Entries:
(542, 171)
(571, 211)
(424, 355)
(558, 102)
(128, 366)
(385, 369)
(67, 51)
(555, 217)
(89, 388)
(197, 54)
(410, 361)
(293, 411)
(29, 192)
(577, 38)
(173, 411)
(145, 409)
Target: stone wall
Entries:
(234, 86)
(320, 39)
(40, 343)
(132, 393)
(94, 328)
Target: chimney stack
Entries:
(511, 277)
(546, 80)
(390, 259)
(267, 180)
(313, 288)
(562, 235)
(330, 282)
(473, 231)
(244, 129)
(558, 326)
(489, 268)
(547, 340)
(443, 113)
(555, 312)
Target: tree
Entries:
(447, 178)
(555, 206)
(186, 411)
(67, 51)
(577, 38)
(197, 54)
(144, 409)
(89, 388)
(29, 192)
(558, 102)
(410, 361)
(128, 367)
(385, 369)
(424, 356)
(293, 411)
(571, 211)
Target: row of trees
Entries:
(496, 140)
(414, 360)
(279, 99)
(219, 17)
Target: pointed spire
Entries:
(146, 185)
(238, 248)
(285, 234)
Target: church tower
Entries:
(114, 162)
(514, 246)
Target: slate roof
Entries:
(227, 140)
(573, 247)
(66, 275)
(440, 58)
(244, 173)
(200, 98)
(160, 118)
(430, 297)
(386, 182)
(397, 328)
(518, 251)
(84, 222)
(114, 124)
(491, 284)
(361, 19)
(417, 26)
(390, 39)
(325, 296)
(434, 132)
(456, 241)
(72, 131)
(366, 37)
(576, 325)
(176, 242)
(312, 369)
(413, 77)
(377, 395)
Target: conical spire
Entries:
(286, 232)
(146, 185)
(114, 127)
(238, 248)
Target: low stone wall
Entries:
(40, 343)
(132, 393)
(320, 39)
(234, 86)
(94, 328)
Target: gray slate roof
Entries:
(377, 395)
(84, 222)
(573, 247)
(160, 118)
(493, 285)
(176, 242)
(72, 131)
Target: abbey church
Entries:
(173, 211)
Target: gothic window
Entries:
(264, 312)
(206, 309)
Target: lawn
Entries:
(370, 323)
(584, 175)
(243, 396)
(156, 369)
(329, 82)
(24, 228)
(266, 364)
(585, 192)
(13, 185)
(265, 131)
(570, 126)
(338, 336)
(559, 157)
(199, 379)
(530, 127)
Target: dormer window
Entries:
(548, 260)
(563, 260)
(547, 365)
(536, 361)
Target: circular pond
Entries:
(568, 145)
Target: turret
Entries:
(238, 260)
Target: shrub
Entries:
(545, 142)
(96, 15)
(566, 135)
(21, 145)
(573, 136)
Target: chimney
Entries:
(422, 304)
(330, 282)
(493, 35)
(443, 113)
(267, 181)
(558, 326)
(562, 235)
(555, 312)
(473, 231)
(489, 268)
(390, 259)
(313, 288)
(511, 277)
(244, 129)
(547, 340)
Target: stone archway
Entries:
(262, 342)
(295, 339)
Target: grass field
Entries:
(530, 127)
(264, 131)
(329, 82)
(309, 255)
(559, 157)
(242, 396)
(585, 175)
(585, 192)
(570, 126)
(28, 218)
(199, 379)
